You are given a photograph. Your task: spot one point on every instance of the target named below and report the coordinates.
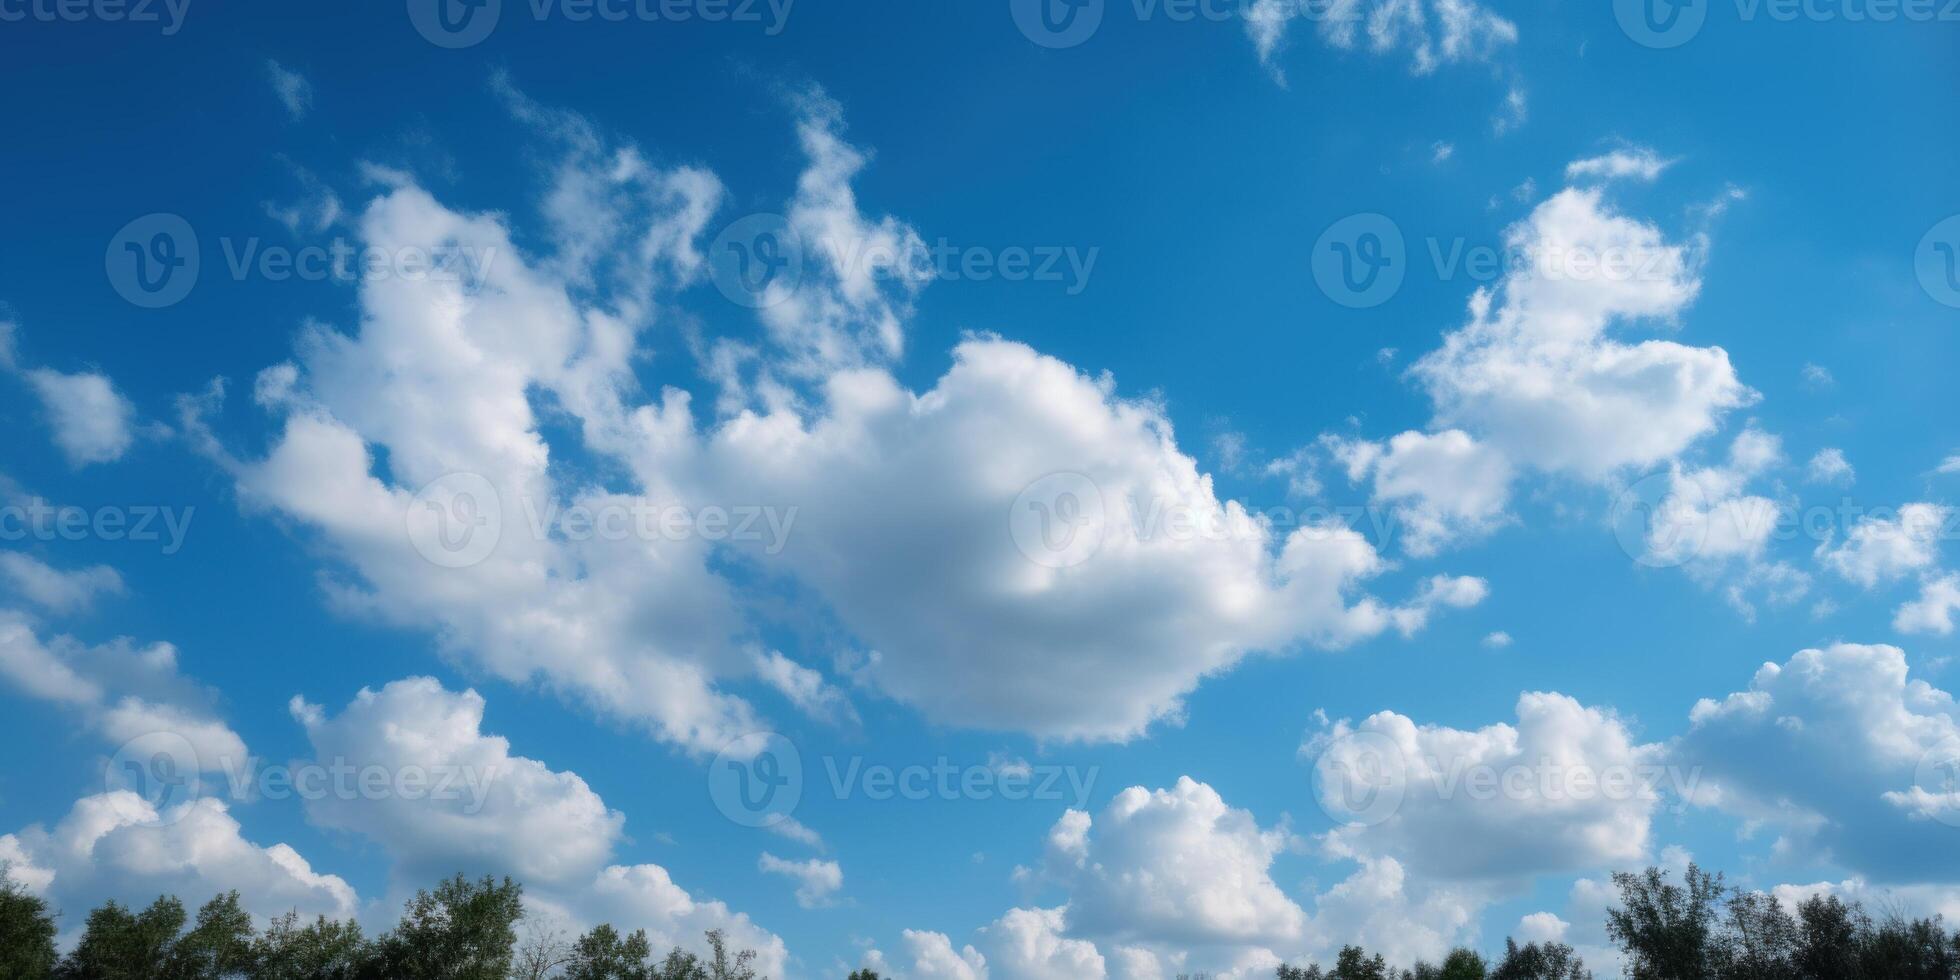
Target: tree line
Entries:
(460, 930)
(1696, 929)
(1700, 929)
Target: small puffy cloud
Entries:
(91, 421)
(115, 845)
(817, 882)
(1830, 467)
(1932, 612)
(933, 958)
(1951, 464)
(1173, 866)
(292, 88)
(1497, 640)
(1031, 944)
(55, 590)
(1541, 927)
(1633, 162)
(1881, 548)
(1439, 487)
(1817, 377)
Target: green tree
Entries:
(1461, 964)
(863, 975)
(603, 955)
(462, 930)
(1355, 964)
(1536, 961)
(1667, 930)
(326, 949)
(722, 966)
(26, 931)
(118, 944)
(218, 945)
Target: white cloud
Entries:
(933, 958)
(1817, 377)
(1030, 944)
(1565, 789)
(817, 882)
(1534, 374)
(1173, 866)
(1932, 612)
(115, 845)
(1836, 748)
(1632, 162)
(1829, 466)
(55, 590)
(1433, 32)
(1541, 927)
(1441, 151)
(1881, 548)
(92, 422)
(133, 696)
(1440, 487)
(481, 806)
(1498, 640)
(294, 91)
(1951, 464)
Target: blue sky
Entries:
(1069, 278)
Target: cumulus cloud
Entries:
(1839, 749)
(92, 422)
(116, 845)
(132, 696)
(1881, 548)
(1565, 789)
(1830, 467)
(896, 507)
(1932, 612)
(1439, 486)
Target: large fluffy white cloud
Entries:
(896, 509)
(1844, 753)
(475, 806)
(116, 845)
(1568, 788)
